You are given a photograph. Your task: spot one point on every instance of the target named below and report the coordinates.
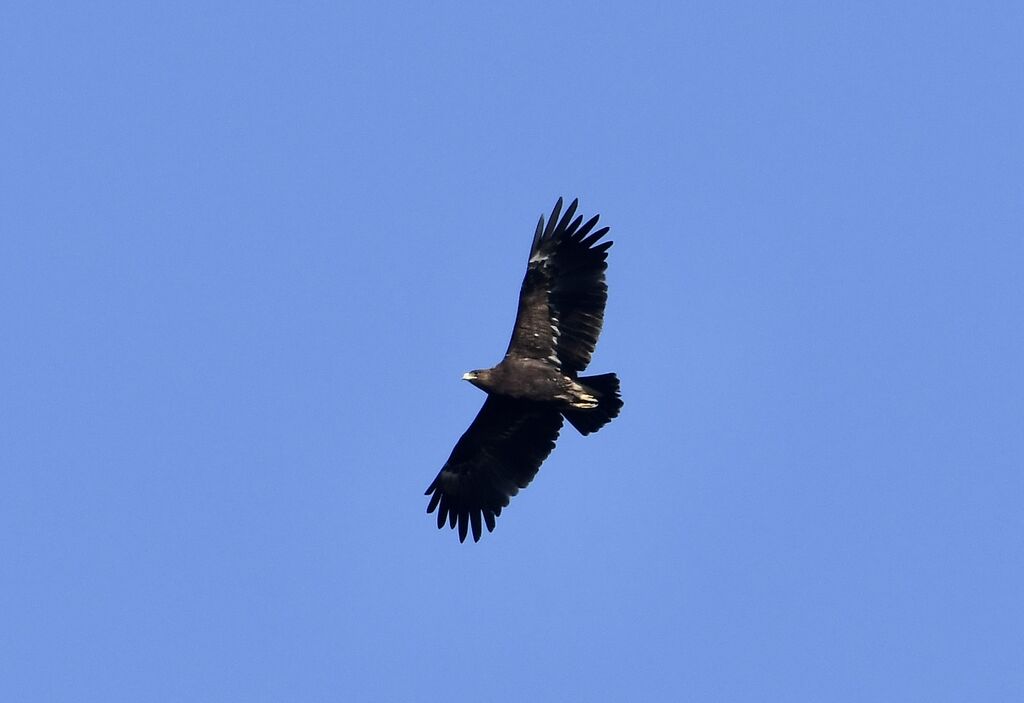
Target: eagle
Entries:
(537, 383)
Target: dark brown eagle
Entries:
(561, 309)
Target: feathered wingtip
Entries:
(460, 517)
(544, 232)
(568, 228)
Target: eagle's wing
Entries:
(499, 454)
(561, 303)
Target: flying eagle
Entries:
(561, 309)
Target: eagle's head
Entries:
(479, 378)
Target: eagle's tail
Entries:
(606, 389)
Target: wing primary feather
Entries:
(537, 235)
(434, 500)
(587, 227)
(589, 241)
(571, 229)
(549, 230)
(567, 217)
(475, 517)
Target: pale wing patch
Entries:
(553, 357)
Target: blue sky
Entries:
(247, 251)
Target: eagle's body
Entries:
(561, 310)
(532, 379)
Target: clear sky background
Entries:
(247, 251)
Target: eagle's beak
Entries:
(469, 376)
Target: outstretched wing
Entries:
(561, 303)
(499, 454)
